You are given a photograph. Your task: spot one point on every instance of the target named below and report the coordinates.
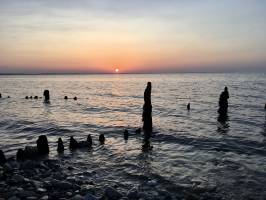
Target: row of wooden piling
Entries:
(42, 148)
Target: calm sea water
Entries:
(192, 151)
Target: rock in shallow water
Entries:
(133, 194)
(77, 197)
(90, 197)
(152, 183)
(111, 193)
(62, 185)
(18, 178)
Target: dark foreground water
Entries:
(192, 151)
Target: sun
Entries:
(116, 70)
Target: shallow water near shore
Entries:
(192, 151)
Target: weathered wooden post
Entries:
(46, 95)
(147, 112)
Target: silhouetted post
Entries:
(89, 140)
(65, 97)
(36, 97)
(42, 145)
(73, 144)
(2, 158)
(126, 134)
(0, 95)
(265, 106)
(147, 111)
(46, 95)
(75, 98)
(20, 155)
(188, 106)
(223, 106)
(30, 97)
(60, 146)
(102, 138)
(223, 102)
(26, 97)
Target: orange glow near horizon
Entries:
(81, 38)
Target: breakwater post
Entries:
(46, 95)
(2, 158)
(147, 112)
(223, 105)
(188, 106)
(30, 152)
(223, 102)
(60, 146)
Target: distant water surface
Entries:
(191, 149)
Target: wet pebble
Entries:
(152, 183)
(63, 185)
(13, 198)
(41, 190)
(18, 178)
(45, 197)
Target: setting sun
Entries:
(116, 70)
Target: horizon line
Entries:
(128, 73)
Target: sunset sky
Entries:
(54, 36)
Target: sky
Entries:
(140, 36)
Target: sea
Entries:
(192, 151)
